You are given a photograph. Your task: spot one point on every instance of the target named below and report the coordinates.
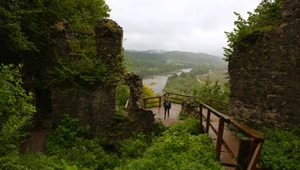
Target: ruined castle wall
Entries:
(95, 104)
(265, 76)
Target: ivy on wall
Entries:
(262, 20)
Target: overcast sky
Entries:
(186, 25)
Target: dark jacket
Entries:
(167, 104)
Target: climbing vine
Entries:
(26, 30)
(262, 20)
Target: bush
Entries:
(69, 142)
(263, 19)
(16, 111)
(281, 150)
(39, 161)
(190, 126)
(133, 148)
(177, 149)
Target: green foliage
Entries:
(200, 70)
(122, 95)
(38, 161)
(24, 22)
(180, 147)
(133, 148)
(147, 63)
(35, 161)
(16, 109)
(184, 83)
(88, 70)
(65, 134)
(25, 29)
(68, 142)
(147, 91)
(190, 126)
(263, 19)
(281, 149)
(212, 90)
(177, 149)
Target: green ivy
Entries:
(262, 20)
(25, 30)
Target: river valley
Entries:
(158, 82)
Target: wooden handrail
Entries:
(218, 114)
(253, 156)
(253, 153)
(154, 97)
(246, 130)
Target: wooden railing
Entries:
(157, 101)
(250, 145)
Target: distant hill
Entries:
(176, 57)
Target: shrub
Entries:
(177, 149)
(263, 19)
(133, 148)
(281, 150)
(16, 111)
(190, 125)
(69, 142)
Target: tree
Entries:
(263, 19)
(16, 109)
(122, 95)
(212, 90)
(147, 91)
(25, 28)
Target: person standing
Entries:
(167, 106)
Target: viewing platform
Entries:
(233, 152)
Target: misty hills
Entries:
(179, 57)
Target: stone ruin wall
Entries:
(265, 77)
(93, 105)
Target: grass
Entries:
(152, 83)
(220, 76)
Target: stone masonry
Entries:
(95, 105)
(135, 84)
(265, 77)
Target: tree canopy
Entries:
(25, 28)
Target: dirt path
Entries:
(36, 142)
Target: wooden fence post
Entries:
(207, 121)
(243, 153)
(145, 104)
(159, 105)
(201, 120)
(210, 102)
(220, 137)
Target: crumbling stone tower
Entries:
(94, 105)
(265, 84)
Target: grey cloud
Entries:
(189, 25)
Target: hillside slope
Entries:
(177, 57)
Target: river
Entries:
(158, 82)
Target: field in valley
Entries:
(220, 76)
